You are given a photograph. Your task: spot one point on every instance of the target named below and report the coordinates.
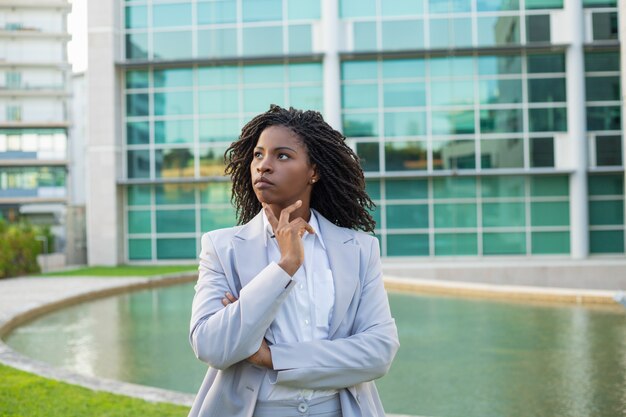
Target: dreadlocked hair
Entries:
(339, 194)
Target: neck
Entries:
(304, 212)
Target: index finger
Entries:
(284, 214)
(270, 216)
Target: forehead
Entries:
(275, 136)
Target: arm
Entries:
(222, 336)
(340, 363)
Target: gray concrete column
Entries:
(332, 73)
(577, 130)
(103, 203)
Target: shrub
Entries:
(19, 249)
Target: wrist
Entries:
(289, 266)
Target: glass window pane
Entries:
(546, 63)
(262, 41)
(544, 4)
(404, 94)
(605, 26)
(356, 96)
(303, 9)
(503, 186)
(138, 195)
(403, 34)
(137, 79)
(504, 214)
(546, 90)
(602, 61)
(454, 187)
(501, 121)
(359, 70)
(218, 76)
(496, 5)
(407, 216)
(500, 91)
(538, 28)
(402, 7)
(138, 164)
(453, 122)
(452, 92)
(372, 187)
(606, 241)
(606, 213)
(139, 249)
(550, 242)
(504, 243)
(451, 66)
(264, 74)
(609, 150)
(499, 65)
(548, 186)
(167, 15)
(173, 131)
(364, 36)
(406, 189)
(216, 193)
(309, 98)
(606, 184)
(137, 105)
(175, 194)
(139, 221)
(599, 3)
(456, 244)
(173, 103)
(262, 10)
(498, 30)
(217, 43)
(216, 130)
(257, 100)
(360, 124)
(172, 45)
(175, 221)
(368, 155)
(602, 88)
(217, 11)
(136, 17)
(548, 120)
(175, 77)
(176, 249)
(407, 245)
(402, 68)
(305, 72)
(136, 46)
(502, 153)
(137, 133)
(449, 6)
(454, 154)
(357, 8)
(174, 163)
(218, 101)
(455, 215)
(604, 118)
(405, 156)
(212, 161)
(405, 124)
(551, 213)
(300, 39)
(218, 218)
(542, 152)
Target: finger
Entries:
(225, 301)
(270, 216)
(231, 297)
(286, 212)
(302, 225)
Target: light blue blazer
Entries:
(363, 338)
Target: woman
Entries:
(290, 311)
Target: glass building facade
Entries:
(460, 111)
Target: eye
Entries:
(256, 153)
(281, 154)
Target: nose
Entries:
(263, 165)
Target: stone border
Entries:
(127, 284)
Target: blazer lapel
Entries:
(343, 257)
(250, 252)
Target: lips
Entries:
(263, 180)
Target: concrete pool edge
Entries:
(92, 288)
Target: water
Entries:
(458, 357)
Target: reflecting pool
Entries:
(458, 357)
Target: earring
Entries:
(312, 181)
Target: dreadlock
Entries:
(339, 195)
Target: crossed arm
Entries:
(223, 336)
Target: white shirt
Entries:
(306, 312)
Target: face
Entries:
(280, 157)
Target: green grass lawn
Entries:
(27, 395)
(123, 270)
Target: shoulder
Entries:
(220, 237)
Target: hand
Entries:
(289, 236)
(263, 356)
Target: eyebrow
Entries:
(280, 147)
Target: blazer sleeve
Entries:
(222, 336)
(364, 356)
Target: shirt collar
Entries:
(267, 227)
